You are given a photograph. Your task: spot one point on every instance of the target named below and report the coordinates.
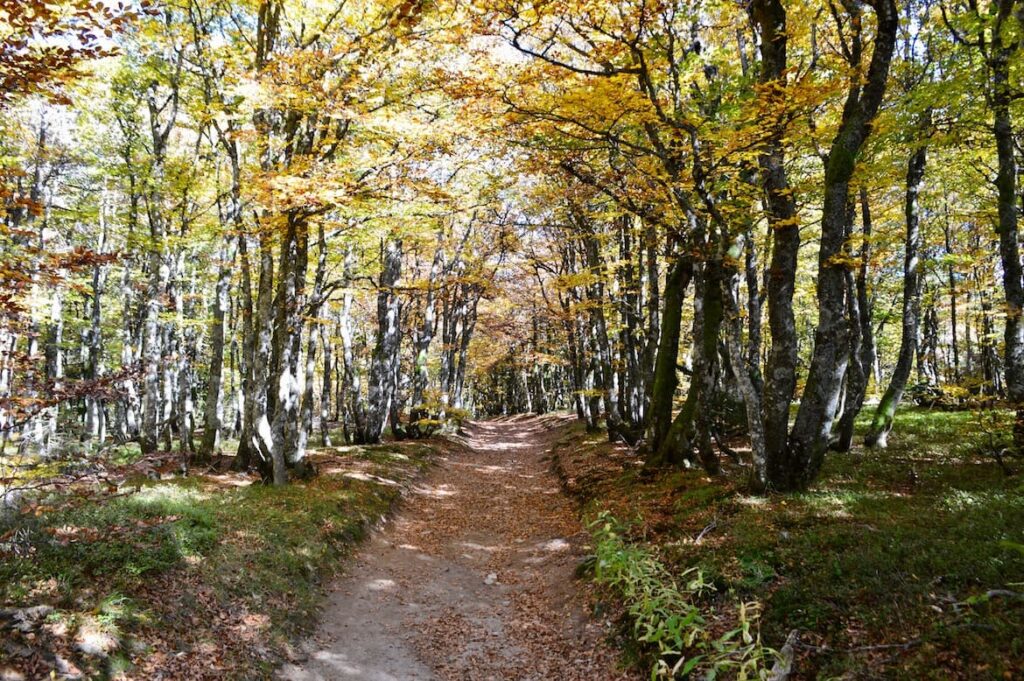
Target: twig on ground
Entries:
(710, 526)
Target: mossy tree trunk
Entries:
(881, 423)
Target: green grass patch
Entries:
(899, 563)
(186, 569)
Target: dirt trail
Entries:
(472, 580)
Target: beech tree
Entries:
(245, 231)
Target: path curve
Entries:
(472, 580)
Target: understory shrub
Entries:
(666, 616)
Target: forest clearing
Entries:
(511, 339)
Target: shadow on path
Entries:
(472, 580)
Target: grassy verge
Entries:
(205, 576)
(904, 563)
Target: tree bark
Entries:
(783, 222)
(385, 352)
(677, 446)
(812, 429)
(861, 337)
(285, 452)
(1009, 240)
(665, 381)
(881, 423)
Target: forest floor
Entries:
(904, 563)
(474, 579)
(124, 569)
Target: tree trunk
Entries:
(261, 445)
(783, 223)
(94, 415)
(245, 456)
(385, 352)
(214, 408)
(653, 333)
(424, 336)
(811, 433)
(954, 343)
(1009, 244)
(315, 305)
(327, 388)
(677, 446)
(665, 381)
(285, 452)
(599, 331)
(859, 313)
(355, 422)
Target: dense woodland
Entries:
(241, 222)
(718, 231)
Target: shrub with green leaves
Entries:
(665, 612)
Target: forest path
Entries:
(472, 580)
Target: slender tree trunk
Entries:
(159, 263)
(1009, 239)
(214, 408)
(678, 444)
(599, 330)
(425, 335)
(653, 334)
(881, 424)
(754, 308)
(54, 351)
(385, 352)
(749, 390)
(151, 337)
(315, 305)
(214, 411)
(246, 454)
(327, 388)
(94, 416)
(665, 380)
(355, 406)
(869, 348)
(262, 433)
(954, 343)
(859, 313)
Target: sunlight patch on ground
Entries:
(169, 493)
(508, 444)
(837, 504)
(479, 547)
(438, 492)
(490, 470)
(381, 585)
(92, 640)
(229, 480)
(338, 663)
(367, 477)
(960, 500)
